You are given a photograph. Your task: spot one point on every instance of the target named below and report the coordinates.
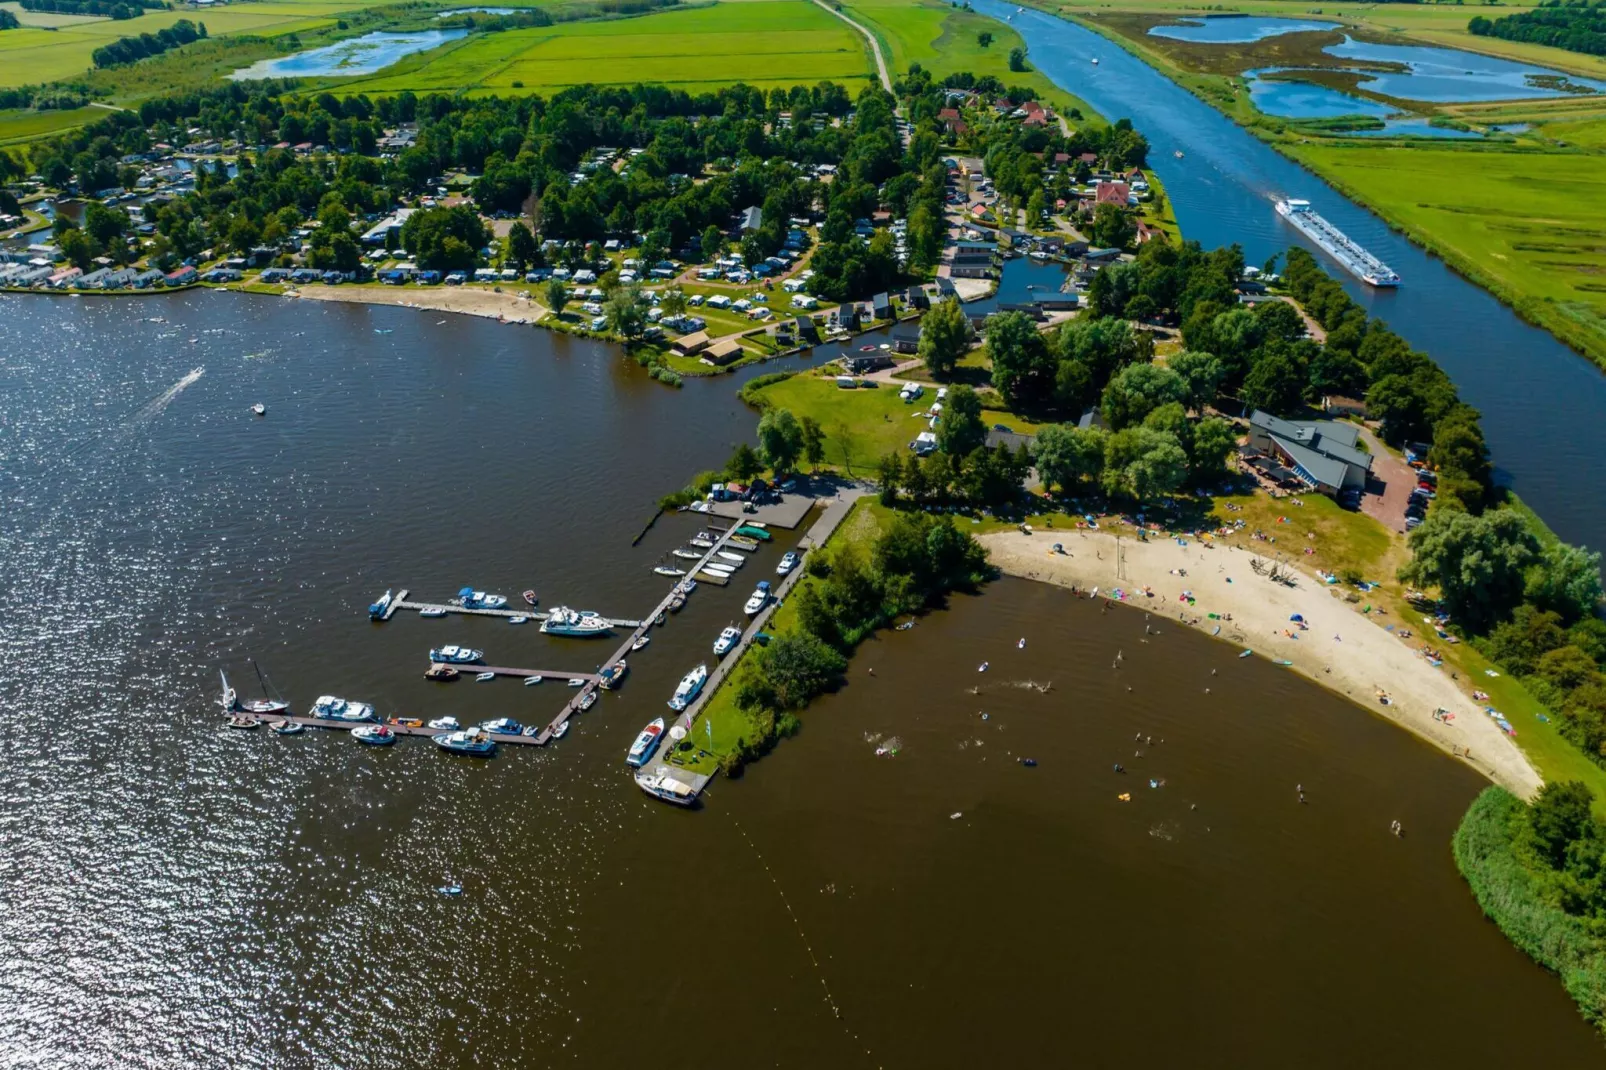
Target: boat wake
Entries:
(154, 408)
(1032, 685)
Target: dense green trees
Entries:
(1577, 26)
(445, 239)
(960, 429)
(780, 438)
(1068, 457)
(1478, 563)
(132, 49)
(944, 337)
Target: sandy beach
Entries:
(468, 301)
(1342, 650)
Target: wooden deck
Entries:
(400, 730)
(401, 602)
(468, 671)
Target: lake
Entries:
(1543, 427)
(179, 894)
(1307, 100)
(359, 55)
(1236, 29)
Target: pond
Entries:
(360, 55)
(1446, 75)
(1235, 29)
(482, 10)
(1306, 100)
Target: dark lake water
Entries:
(1541, 402)
(179, 894)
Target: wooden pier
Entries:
(401, 602)
(466, 670)
(399, 729)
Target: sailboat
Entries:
(260, 707)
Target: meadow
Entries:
(34, 54)
(764, 43)
(1528, 225)
(20, 127)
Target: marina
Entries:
(442, 609)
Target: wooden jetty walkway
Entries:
(466, 670)
(399, 729)
(636, 632)
(401, 602)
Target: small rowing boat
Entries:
(485, 677)
(531, 681)
(530, 599)
(287, 728)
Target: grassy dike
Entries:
(1488, 851)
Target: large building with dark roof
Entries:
(1321, 453)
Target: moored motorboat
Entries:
(338, 709)
(669, 570)
(287, 728)
(484, 677)
(469, 598)
(641, 641)
(455, 655)
(447, 724)
(686, 586)
(529, 598)
(521, 619)
(726, 555)
(375, 735)
(687, 555)
(502, 726)
(760, 598)
(702, 543)
(666, 788)
(561, 731)
(751, 531)
(676, 604)
(472, 742)
(611, 675)
(441, 672)
(690, 685)
(579, 623)
(405, 722)
(243, 720)
(789, 561)
(727, 639)
(575, 681)
(660, 619)
(377, 610)
(588, 700)
(645, 743)
(432, 612)
(531, 681)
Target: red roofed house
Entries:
(1116, 193)
(1089, 158)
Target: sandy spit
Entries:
(1343, 650)
(512, 307)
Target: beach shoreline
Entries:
(1342, 650)
(505, 306)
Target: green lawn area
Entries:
(1528, 225)
(764, 43)
(942, 39)
(862, 426)
(18, 127)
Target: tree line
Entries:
(112, 9)
(126, 50)
(1576, 25)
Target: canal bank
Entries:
(1541, 423)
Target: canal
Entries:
(1541, 402)
(181, 894)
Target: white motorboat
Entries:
(469, 598)
(667, 788)
(338, 709)
(473, 743)
(727, 640)
(260, 409)
(788, 563)
(375, 735)
(455, 655)
(726, 555)
(432, 612)
(690, 685)
(378, 609)
(640, 642)
(561, 731)
(287, 728)
(719, 570)
(485, 677)
(445, 724)
(705, 544)
(502, 726)
(580, 623)
(669, 570)
(575, 681)
(613, 675)
(589, 700)
(760, 599)
(518, 620)
(645, 743)
(687, 555)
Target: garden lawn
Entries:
(1529, 226)
(863, 425)
(764, 43)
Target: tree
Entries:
(984, 39)
(557, 295)
(1478, 563)
(813, 440)
(1276, 384)
(1138, 390)
(780, 439)
(799, 665)
(960, 430)
(1023, 366)
(1566, 581)
(1112, 228)
(522, 248)
(626, 311)
(243, 234)
(1017, 60)
(1067, 455)
(77, 248)
(1202, 374)
(1213, 442)
(445, 239)
(105, 225)
(744, 464)
(713, 242)
(1560, 815)
(944, 337)
(673, 301)
(1142, 463)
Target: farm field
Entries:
(17, 127)
(764, 43)
(943, 40)
(32, 54)
(1531, 226)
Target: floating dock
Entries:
(400, 730)
(401, 602)
(466, 669)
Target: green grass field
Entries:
(31, 54)
(1530, 225)
(20, 127)
(764, 43)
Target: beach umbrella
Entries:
(1297, 616)
(677, 733)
